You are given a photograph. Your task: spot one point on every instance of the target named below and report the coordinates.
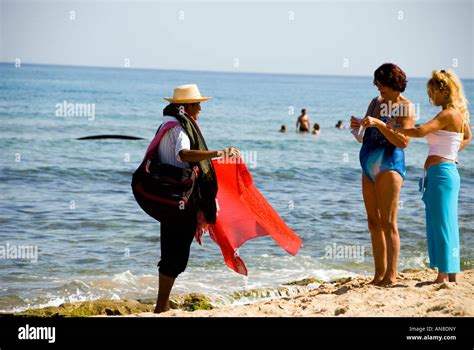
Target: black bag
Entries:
(162, 190)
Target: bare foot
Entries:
(387, 282)
(376, 280)
(159, 311)
(440, 280)
(442, 277)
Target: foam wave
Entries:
(222, 286)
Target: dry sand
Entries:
(413, 295)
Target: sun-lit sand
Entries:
(411, 296)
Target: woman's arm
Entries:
(355, 122)
(437, 123)
(467, 137)
(395, 138)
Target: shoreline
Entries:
(412, 296)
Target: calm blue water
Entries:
(72, 198)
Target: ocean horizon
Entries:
(70, 200)
(233, 71)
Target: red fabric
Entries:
(243, 213)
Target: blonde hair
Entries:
(447, 80)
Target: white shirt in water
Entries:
(172, 143)
(444, 143)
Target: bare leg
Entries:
(164, 290)
(452, 277)
(387, 186)
(442, 277)
(375, 228)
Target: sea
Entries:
(70, 229)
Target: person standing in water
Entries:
(383, 167)
(302, 123)
(183, 146)
(447, 133)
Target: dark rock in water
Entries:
(119, 137)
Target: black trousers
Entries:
(176, 235)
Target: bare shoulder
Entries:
(448, 114)
(404, 100)
(451, 118)
(455, 117)
(408, 106)
(405, 110)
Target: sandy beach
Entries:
(412, 296)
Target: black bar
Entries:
(117, 330)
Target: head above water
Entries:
(389, 79)
(445, 89)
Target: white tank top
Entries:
(172, 143)
(445, 143)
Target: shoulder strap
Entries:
(374, 104)
(150, 151)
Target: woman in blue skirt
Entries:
(447, 133)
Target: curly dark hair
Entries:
(392, 76)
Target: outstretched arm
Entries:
(437, 123)
(395, 138)
(191, 156)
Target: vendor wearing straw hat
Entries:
(184, 146)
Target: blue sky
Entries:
(311, 37)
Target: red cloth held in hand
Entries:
(243, 213)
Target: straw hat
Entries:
(187, 94)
